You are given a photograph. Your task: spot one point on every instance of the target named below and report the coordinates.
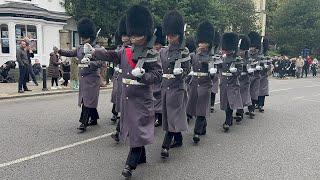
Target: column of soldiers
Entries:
(158, 85)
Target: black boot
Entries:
(225, 127)
(238, 117)
(127, 171)
(196, 138)
(115, 136)
(93, 122)
(82, 128)
(177, 142)
(114, 118)
(212, 109)
(164, 153)
(261, 109)
(157, 123)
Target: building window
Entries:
(27, 31)
(4, 40)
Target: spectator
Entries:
(66, 73)
(53, 69)
(22, 59)
(299, 66)
(37, 69)
(314, 68)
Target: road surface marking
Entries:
(53, 151)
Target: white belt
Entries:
(199, 74)
(168, 76)
(83, 65)
(227, 74)
(131, 82)
(243, 73)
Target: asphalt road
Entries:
(39, 140)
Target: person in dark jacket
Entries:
(141, 69)
(89, 79)
(66, 73)
(53, 69)
(23, 61)
(37, 69)
(175, 62)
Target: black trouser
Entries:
(23, 73)
(200, 125)
(136, 156)
(213, 99)
(114, 112)
(305, 70)
(54, 80)
(229, 117)
(314, 73)
(168, 139)
(118, 126)
(88, 113)
(261, 100)
(251, 108)
(33, 76)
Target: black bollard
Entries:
(44, 78)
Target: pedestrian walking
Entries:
(53, 69)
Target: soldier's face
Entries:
(125, 40)
(173, 39)
(203, 46)
(157, 47)
(138, 40)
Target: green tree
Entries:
(296, 25)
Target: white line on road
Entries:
(310, 100)
(277, 90)
(53, 150)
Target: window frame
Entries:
(26, 35)
(2, 38)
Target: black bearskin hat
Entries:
(161, 39)
(255, 39)
(139, 21)
(265, 45)
(190, 44)
(118, 39)
(217, 39)
(86, 28)
(122, 29)
(205, 33)
(230, 41)
(245, 42)
(173, 23)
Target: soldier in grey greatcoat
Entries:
(215, 80)
(89, 78)
(190, 44)
(244, 78)
(201, 84)
(140, 71)
(264, 82)
(123, 41)
(121, 36)
(230, 97)
(175, 61)
(255, 75)
(159, 44)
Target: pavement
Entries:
(39, 140)
(10, 90)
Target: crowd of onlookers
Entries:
(295, 67)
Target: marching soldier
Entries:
(264, 82)
(117, 85)
(190, 44)
(244, 78)
(255, 75)
(89, 78)
(201, 84)
(160, 42)
(140, 71)
(175, 61)
(230, 97)
(215, 80)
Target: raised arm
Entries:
(101, 54)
